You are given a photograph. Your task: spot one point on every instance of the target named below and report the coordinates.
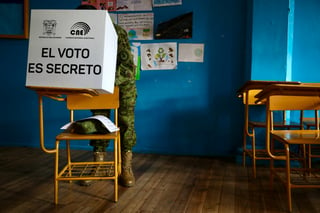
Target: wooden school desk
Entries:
(291, 97)
(247, 92)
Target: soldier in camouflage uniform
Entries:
(125, 79)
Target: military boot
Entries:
(126, 177)
(97, 157)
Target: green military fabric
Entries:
(125, 73)
(125, 79)
(128, 97)
(100, 145)
(87, 126)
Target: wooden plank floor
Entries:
(164, 184)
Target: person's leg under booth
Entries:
(99, 147)
(126, 117)
(128, 95)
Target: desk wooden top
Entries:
(303, 89)
(253, 84)
(297, 136)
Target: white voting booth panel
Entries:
(72, 49)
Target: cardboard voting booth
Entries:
(72, 49)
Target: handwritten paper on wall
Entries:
(109, 5)
(191, 52)
(139, 26)
(161, 3)
(136, 5)
(120, 5)
(159, 56)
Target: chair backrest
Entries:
(249, 99)
(249, 96)
(99, 102)
(283, 102)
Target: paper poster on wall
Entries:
(95, 3)
(162, 3)
(109, 5)
(136, 5)
(138, 25)
(135, 50)
(191, 52)
(159, 56)
(114, 17)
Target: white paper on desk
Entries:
(103, 119)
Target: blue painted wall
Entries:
(272, 34)
(269, 39)
(306, 48)
(192, 110)
(285, 44)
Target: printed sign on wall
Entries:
(139, 26)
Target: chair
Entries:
(313, 151)
(248, 92)
(72, 171)
(289, 97)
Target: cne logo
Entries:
(80, 29)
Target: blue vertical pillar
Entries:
(290, 39)
(269, 39)
(290, 46)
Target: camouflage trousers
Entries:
(128, 95)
